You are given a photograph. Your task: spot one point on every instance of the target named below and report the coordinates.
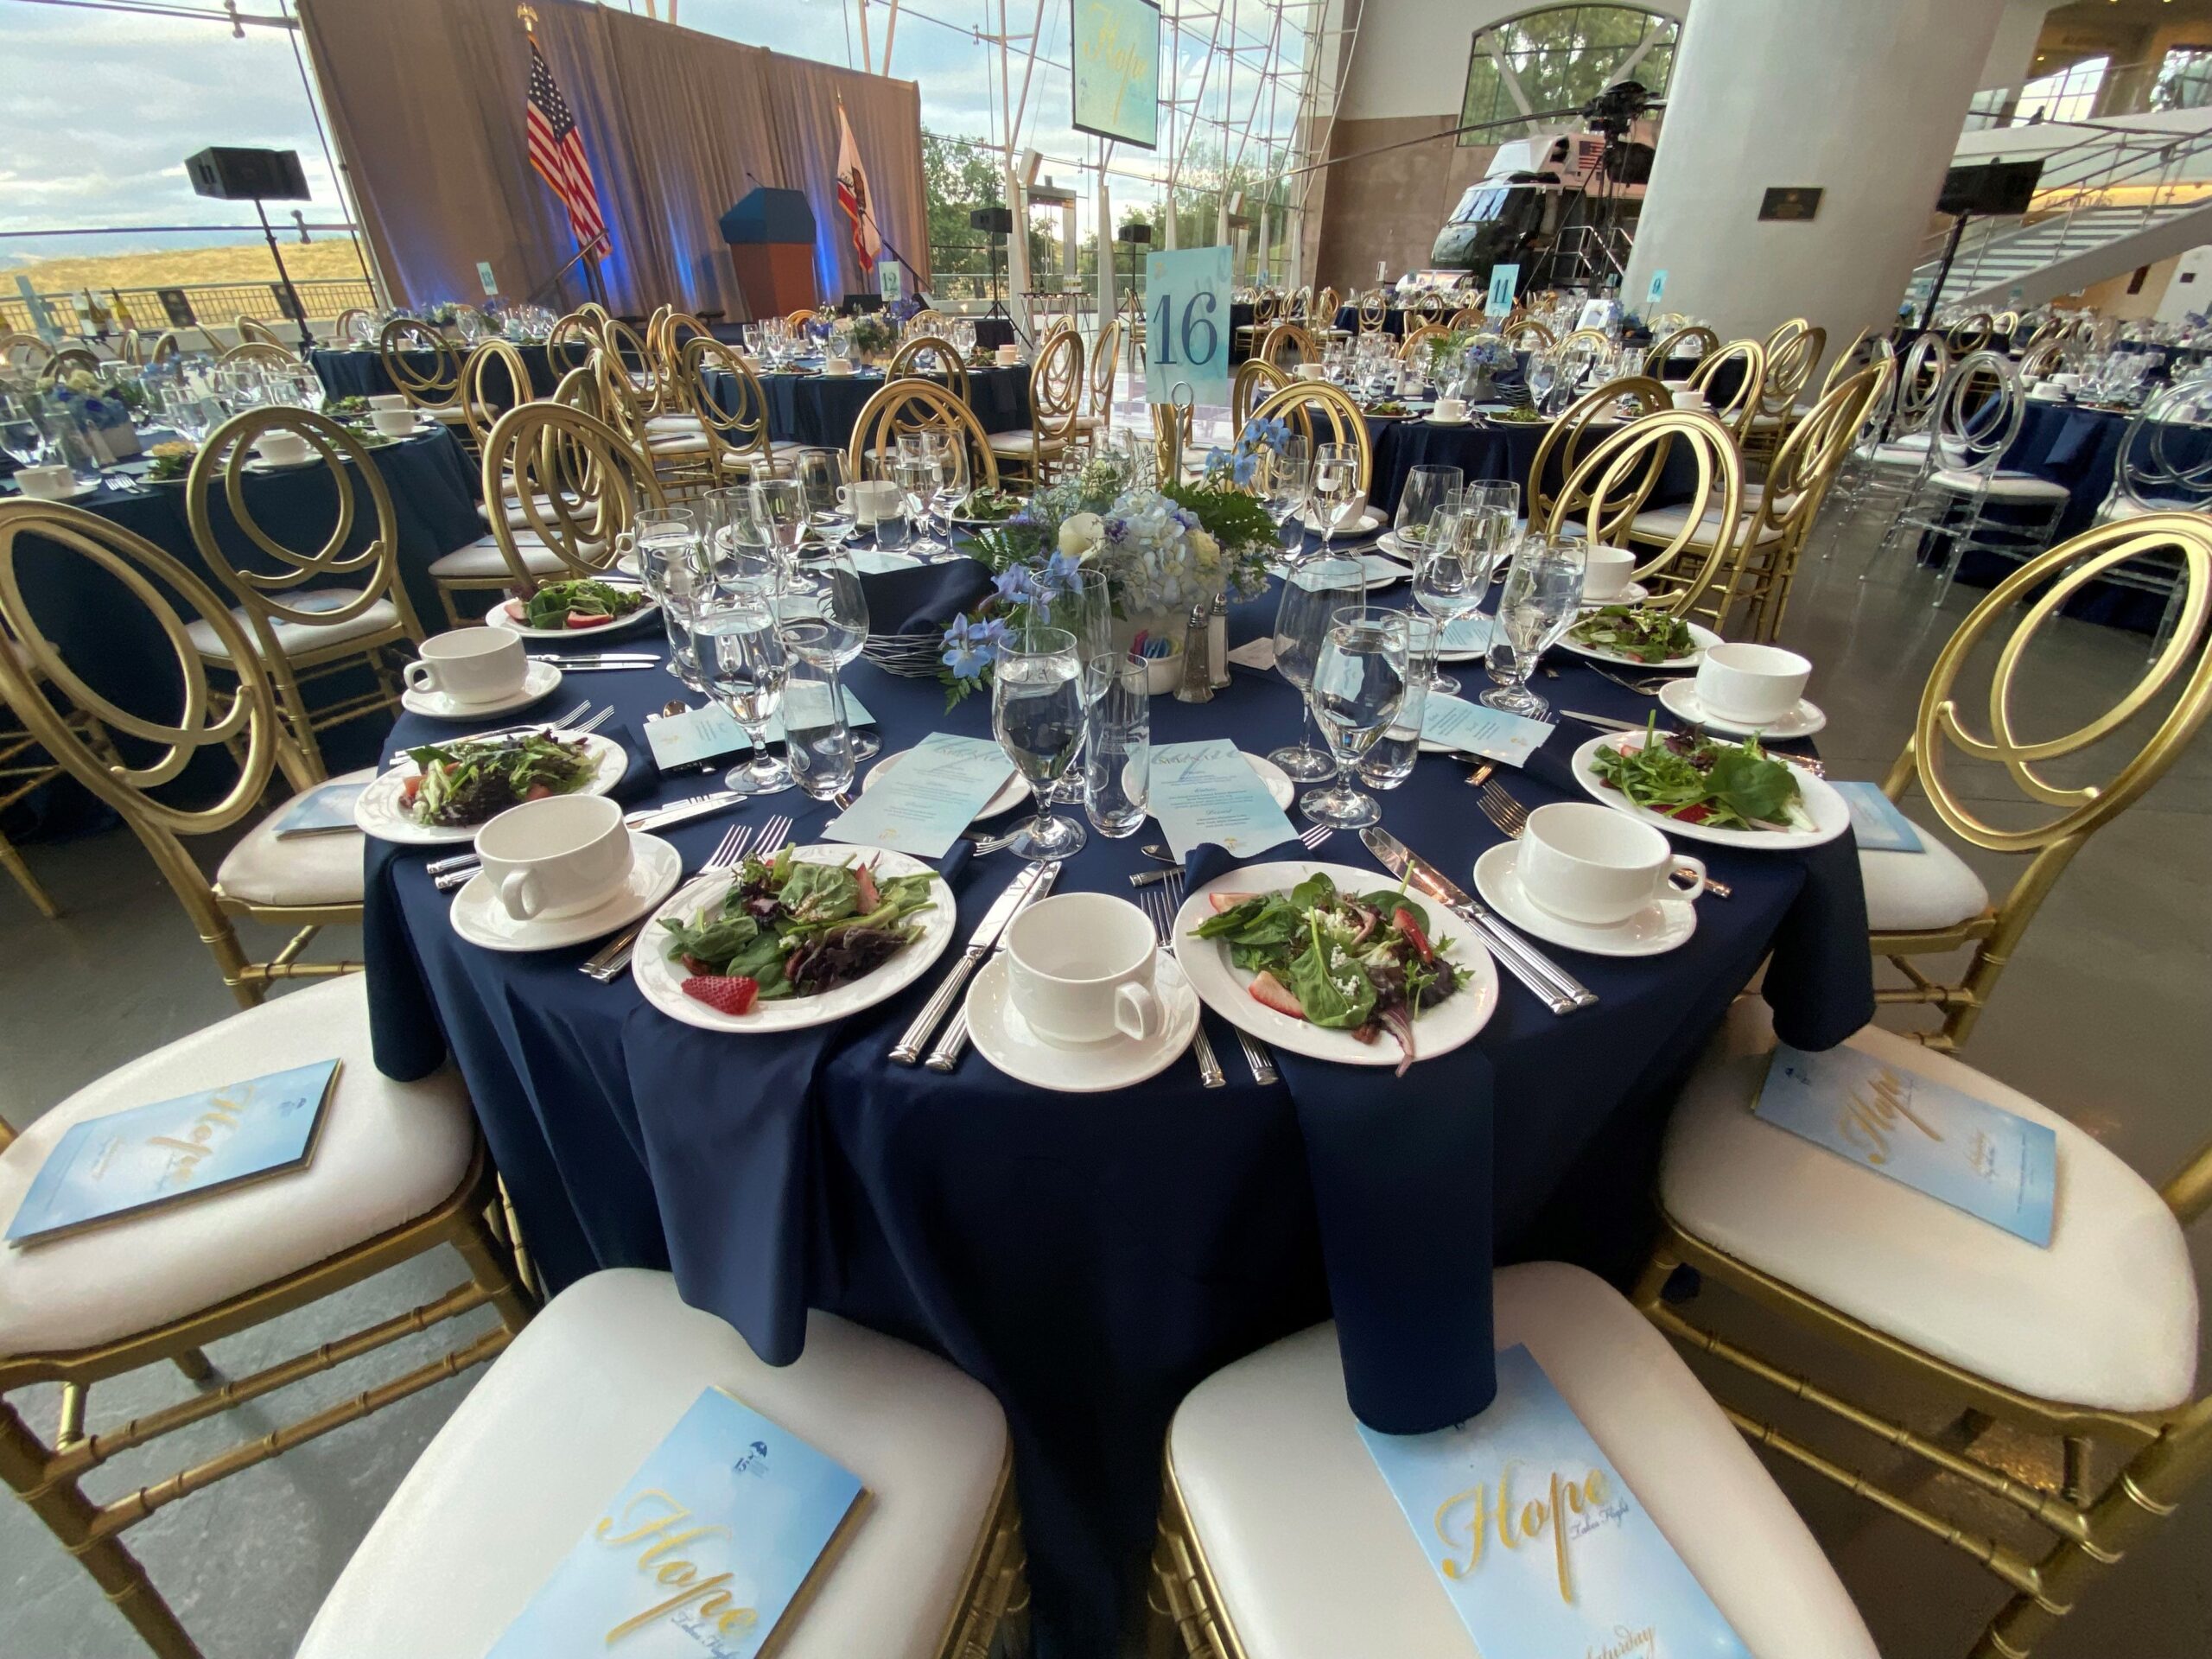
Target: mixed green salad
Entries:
(1361, 962)
(584, 603)
(1647, 636)
(477, 779)
(1699, 779)
(989, 507)
(785, 928)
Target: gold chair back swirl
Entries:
(1742, 403)
(1294, 405)
(578, 481)
(571, 340)
(1615, 480)
(1055, 387)
(1105, 364)
(725, 395)
(1255, 379)
(931, 355)
(912, 406)
(249, 330)
(1527, 334)
(1374, 311)
(1288, 340)
(1414, 348)
(431, 385)
(1590, 418)
(254, 351)
(1792, 353)
(1971, 333)
(495, 377)
(1678, 344)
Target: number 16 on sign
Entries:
(1186, 327)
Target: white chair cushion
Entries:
(482, 559)
(1923, 891)
(1022, 443)
(662, 426)
(1664, 524)
(679, 443)
(295, 638)
(2116, 507)
(2106, 1317)
(564, 1417)
(305, 870)
(1315, 1560)
(2003, 486)
(452, 415)
(388, 1152)
(1904, 452)
(516, 516)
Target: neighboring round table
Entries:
(821, 409)
(1091, 1258)
(1394, 320)
(345, 372)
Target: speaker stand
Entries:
(299, 311)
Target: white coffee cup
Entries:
(1007, 356)
(392, 422)
(1310, 372)
(470, 665)
(1080, 967)
(283, 448)
(1688, 397)
(1450, 408)
(837, 365)
(557, 857)
(870, 501)
(385, 400)
(46, 483)
(1606, 571)
(1587, 863)
(2068, 382)
(1752, 685)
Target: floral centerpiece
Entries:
(1471, 356)
(106, 412)
(171, 460)
(874, 336)
(1171, 553)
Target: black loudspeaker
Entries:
(997, 221)
(1136, 233)
(1989, 187)
(248, 175)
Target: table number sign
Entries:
(891, 282)
(1504, 282)
(1539, 1542)
(1207, 791)
(1991, 1163)
(484, 276)
(920, 806)
(717, 1540)
(1654, 290)
(1186, 334)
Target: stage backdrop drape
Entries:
(425, 99)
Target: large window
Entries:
(1560, 58)
(2184, 78)
(2070, 94)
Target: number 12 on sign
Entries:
(1187, 325)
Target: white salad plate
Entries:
(537, 683)
(1657, 928)
(661, 981)
(655, 868)
(1680, 700)
(1368, 519)
(1831, 817)
(499, 616)
(1010, 793)
(1705, 637)
(1003, 1037)
(379, 811)
(1222, 986)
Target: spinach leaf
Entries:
(815, 893)
(1750, 784)
(1333, 989)
(1389, 898)
(1314, 890)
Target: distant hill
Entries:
(325, 257)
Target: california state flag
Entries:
(853, 197)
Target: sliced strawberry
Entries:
(517, 610)
(1695, 812)
(1403, 919)
(538, 791)
(579, 619)
(1366, 1033)
(1222, 902)
(1271, 992)
(870, 897)
(729, 993)
(410, 789)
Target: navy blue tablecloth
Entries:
(1394, 320)
(1091, 1258)
(817, 408)
(348, 373)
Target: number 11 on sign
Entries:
(1187, 325)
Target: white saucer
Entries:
(263, 464)
(1653, 931)
(22, 494)
(1003, 1037)
(1635, 593)
(655, 868)
(537, 683)
(1680, 700)
(1437, 420)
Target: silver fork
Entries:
(1648, 686)
(1309, 838)
(606, 964)
(1161, 905)
(1509, 815)
(554, 724)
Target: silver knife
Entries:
(1558, 990)
(464, 865)
(946, 1055)
(986, 935)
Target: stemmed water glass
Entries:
(825, 610)
(1336, 486)
(1428, 489)
(1285, 480)
(742, 657)
(780, 513)
(951, 493)
(1358, 686)
(1451, 575)
(1037, 715)
(824, 487)
(1541, 597)
(1318, 586)
(917, 478)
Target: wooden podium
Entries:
(771, 237)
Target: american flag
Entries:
(556, 150)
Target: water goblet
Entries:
(1359, 685)
(743, 659)
(1541, 599)
(1318, 585)
(1037, 715)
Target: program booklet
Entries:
(710, 1551)
(1536, 1539)
(127, 1162)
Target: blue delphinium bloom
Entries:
(969, 646)
(1014, 583)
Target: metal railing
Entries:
(183, 305)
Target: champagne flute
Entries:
(1037, 715)
(1541, 597)
(742, 657)
(825, 593)
(1318, 584)
(1358, 686)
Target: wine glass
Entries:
(1037, 715)
(1541, 598)
(917, 478)
(1358, 685)
(825, 608)
(1451, 575)
(1285, 480)
(1428, 489)
(1542, 375)
(1335, 485)
(1318, 584)
(823, 486)
(950, 455)
(779, 512)
(742, 655)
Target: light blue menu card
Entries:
(1541, 1546)
(1207, 791)
(1931, 1137)
(704, 1552)
(109, 1167)
(1875, 824)
(1471, 729)
(327, 808)
(920, 806)
(713, 732)
(1467, 634)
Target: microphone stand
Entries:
(590, 277)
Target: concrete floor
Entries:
(2102, 1015)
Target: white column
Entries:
(1862, 99)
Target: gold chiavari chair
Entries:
(1324, 309)
(733, 410)
(799, 318)
(684, 461)
(1266, 305)
(1374, 311)
(1277, 1536)
(168, 346)
(2089, 1343)
(1427, 306)
(341, 326)
(263, 351)
(578, 484)
(1467, 316)
(1737, 410)
(1678, 343)
(1286, 341)
(1300, 306)
(303, 633)
(248, 330)
(1294, 405)
(433, 387)
(1969, 334)
(2041, 361)
(1055, 387)
(1793, 351)
(20, 351)
(494, 377)
(672, 330)
(1867, 348)
(1171, 439)
(1609, 489)
(1414, 347)
(1105, 367)
(913, 406)
(1254, 380)
(570, 342)
(622, 347)
(2005, 323)
(1527, 334)
(1591, 418)
(68, 361)
(930, 356)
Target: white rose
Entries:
(1081, 534)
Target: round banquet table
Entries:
(345, 372)
(1394, 320)
(1091, 1258)
(820, 408)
